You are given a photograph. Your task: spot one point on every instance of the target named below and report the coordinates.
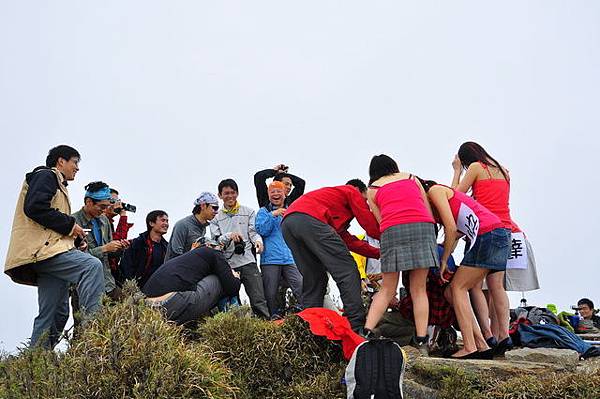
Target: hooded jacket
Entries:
(276, 251)
(42, 224)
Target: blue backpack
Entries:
(376, 370)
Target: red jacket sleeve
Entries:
(359, 246)
(363, 214)
(122, 229)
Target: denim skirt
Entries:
(491, 251)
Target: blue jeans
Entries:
(54, 276)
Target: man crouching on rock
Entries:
(189, 286)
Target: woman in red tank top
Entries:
(490, 184)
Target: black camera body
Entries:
(239, 248)
(125, 207)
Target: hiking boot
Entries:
(421, 343)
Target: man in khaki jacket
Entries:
(41, 251)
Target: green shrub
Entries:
(272, 361)
(128, 351)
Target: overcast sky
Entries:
(165, 99)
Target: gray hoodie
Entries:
(185, 232)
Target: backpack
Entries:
(442, 341)
(376, 370)
(535, 315)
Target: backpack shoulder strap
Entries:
(393, 364)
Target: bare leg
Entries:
(382, 299)
(480, 342)
(464, 279)
(500, 301)
(493, 318)
(418, 294)
(480, 306)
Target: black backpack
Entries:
(376, 370)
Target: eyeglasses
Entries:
(215, 207)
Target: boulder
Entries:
(499, 368)
(563, 357)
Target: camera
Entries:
(125, 207)
(239, 248)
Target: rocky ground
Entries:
(429, 377)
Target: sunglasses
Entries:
(215, 207)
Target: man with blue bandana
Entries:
(99, 239)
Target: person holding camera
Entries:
(189, 286)
(117, 207)
(276, 261)
(100, 242)
(192, 227)
(294, 186)
(234, 228)
(41, 251)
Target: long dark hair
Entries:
(381, 165)
(470, 152)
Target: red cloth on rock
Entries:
(333, 326)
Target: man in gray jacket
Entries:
(233, 227)
(192, 227)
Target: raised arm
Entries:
(260, 183)
(298, 189)
(468, 179)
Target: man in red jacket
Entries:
(315, 228)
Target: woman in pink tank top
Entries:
(486, 251)
(490, 184)
(408, 242)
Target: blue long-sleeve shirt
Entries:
(276, 250)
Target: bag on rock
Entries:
(376, 370)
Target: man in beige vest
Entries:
(41, 251)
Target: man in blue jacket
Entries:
(276, 261)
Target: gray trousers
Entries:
(318, 249)
(189, 306)
(272, 274)
(253, 284)
(54, 276)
